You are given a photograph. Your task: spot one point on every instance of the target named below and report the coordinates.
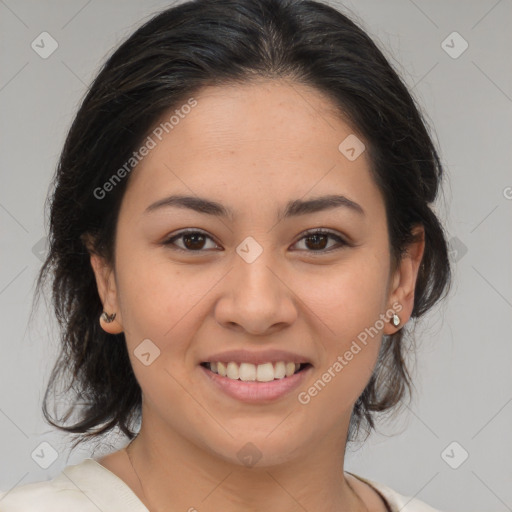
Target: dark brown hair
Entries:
(171, 57)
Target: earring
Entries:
(395, 320)
(108, 318)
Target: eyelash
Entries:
(330, 234)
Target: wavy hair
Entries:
(169, 58)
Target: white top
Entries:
(91, 487)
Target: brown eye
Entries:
(196, 241)
(192, 241)
(317, 240)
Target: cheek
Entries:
(347, 304)
(165, 303)
(158, 310)
(346, 298)
(154, 293)
(350, 334)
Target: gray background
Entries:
(463, 376)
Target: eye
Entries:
(317, 239)
(193, 240)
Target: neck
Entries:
(175, 474)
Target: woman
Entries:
(240, 229)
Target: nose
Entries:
(256, 297)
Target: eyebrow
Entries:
(292, 209)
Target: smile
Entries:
(249, 372)
(252, 383)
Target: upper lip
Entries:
(259, 357)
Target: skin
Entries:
(253, 148)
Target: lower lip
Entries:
(257, 392)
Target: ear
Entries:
(403, 282)
(107, 288)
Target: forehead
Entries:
(271, 139)
(234, 117)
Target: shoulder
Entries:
(396, 501)
(84, 487)
(56, 495)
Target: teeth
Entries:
(221, 369)
(232, 371)
(264, 372)
(248, 372)
(280, 370)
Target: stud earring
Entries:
(395, 320)
(108, 318)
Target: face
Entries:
(255, 280)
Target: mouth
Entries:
(248, 372)
(262, 383)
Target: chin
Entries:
(256, 449)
